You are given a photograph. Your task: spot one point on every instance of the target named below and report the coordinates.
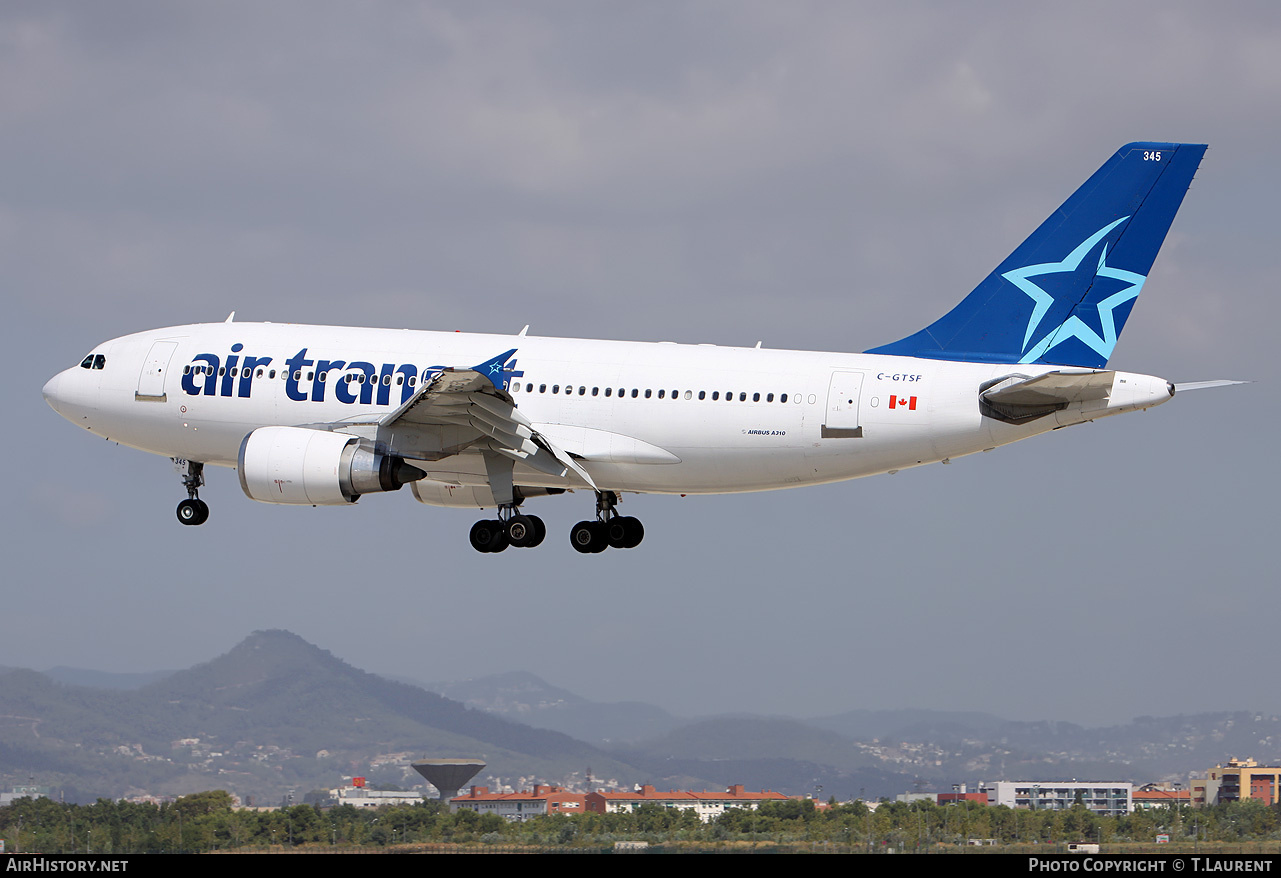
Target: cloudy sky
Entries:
(817, 175)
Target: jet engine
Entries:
(307, 467)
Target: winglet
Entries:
(496, 370)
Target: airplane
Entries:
(322, 415)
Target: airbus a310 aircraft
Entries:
(325, 414)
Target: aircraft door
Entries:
(841, 421)
(151, 381)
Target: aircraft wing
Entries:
(477, 415)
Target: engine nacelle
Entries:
(296, 465)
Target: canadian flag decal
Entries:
(907, 402)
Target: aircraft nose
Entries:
(50, 392)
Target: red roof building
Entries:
(707, 805)
(1157, 798)
(516, 807)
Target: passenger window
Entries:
(660, 393)
(582, 391)
(648, 393)
(634, 393)
(702, 394)
(609, 391)
(756, 397)
(595, 390)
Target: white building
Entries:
(1107, 799)
(361, 797)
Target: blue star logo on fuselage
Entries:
(1065, 299)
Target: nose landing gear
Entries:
(193, 510)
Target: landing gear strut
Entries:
(193, 510)
(511, 528)
(609, 530)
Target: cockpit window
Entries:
(99, 361)
(87, 362)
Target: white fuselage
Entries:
(642, 417)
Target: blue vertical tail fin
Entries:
(1063, 296)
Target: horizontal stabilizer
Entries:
(1019, 398)
(1202, 385)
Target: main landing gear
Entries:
(193, 510)
(609, 530)
(511, 528)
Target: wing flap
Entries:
(469, 400)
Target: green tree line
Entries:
(208, 821)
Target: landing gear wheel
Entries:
(626, 532)
(600, 537)
(540, 531)
(193, 511)
(489, 535)
(501, 541)
(521, 531)
(589, 537)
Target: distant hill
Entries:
(867, 725)
(104, 679)
(880, 752)
(276, 713)
(273, 712)
(524, 697)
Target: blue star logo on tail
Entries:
(1073, 297)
